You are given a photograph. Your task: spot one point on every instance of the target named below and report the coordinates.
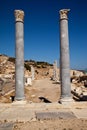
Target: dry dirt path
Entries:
(45, 89)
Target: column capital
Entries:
(19, 15)
(63, 13)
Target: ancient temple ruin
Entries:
(64, 57)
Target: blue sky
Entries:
(41, 29)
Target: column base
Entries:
(19, 102)
(66, 100)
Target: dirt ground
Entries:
(42, 91)
(60, 124)
(45, 90)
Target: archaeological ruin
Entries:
(64, 57)
(19, 65)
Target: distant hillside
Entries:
(42, 69)
(7, 66)
(38, 64)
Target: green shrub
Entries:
(11, 59)
(27, 67)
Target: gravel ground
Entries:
(60, 124)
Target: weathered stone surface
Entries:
(64, 56)
(19, 15)
(63, 13)
(1, 84)
(19, 53)
(6, 126)
(32, 73)
(55, 71)
(28, 81)
(54, 115)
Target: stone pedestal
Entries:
(28, 81)
(64, 58)
(19, 65)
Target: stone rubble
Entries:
(7, 74)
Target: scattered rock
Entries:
(33, 96)
(34, 119)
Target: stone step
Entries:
(54, 115)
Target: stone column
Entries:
(19, 65)
(55, 71)
(32, 72)
(64, 57)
